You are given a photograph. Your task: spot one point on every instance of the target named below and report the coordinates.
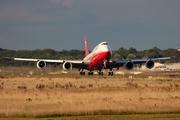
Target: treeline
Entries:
(121, 53)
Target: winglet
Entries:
(86, 47)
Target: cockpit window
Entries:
(104, 43)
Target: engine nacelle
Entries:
(129, 65)
(149, 64)
(41, 64)
(67, 66)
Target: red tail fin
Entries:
(86, 47)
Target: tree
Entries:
(117, 57)
(119, 54)
(132, 50)
(131, 56)
(1, 49)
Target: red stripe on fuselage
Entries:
(98, 59)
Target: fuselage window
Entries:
(104, 43)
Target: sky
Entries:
(61, 24)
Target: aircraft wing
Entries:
(136, 61)
(35, 60)
(75, 63)
(129, 63)
(50, 60)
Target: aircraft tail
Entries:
(86, 47)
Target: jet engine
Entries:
(67, 66)
(129, 65)
(149, 64)
(41, 64)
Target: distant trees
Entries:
(121, 53)
(131, 56)
(1, 49)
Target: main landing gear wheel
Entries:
(82, 73)
(90, 73)
(110, 73)
(100, 73)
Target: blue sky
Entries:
(61, 24)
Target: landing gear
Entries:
(90, 73)
(100, 73)
(110, 73)
(82, 73)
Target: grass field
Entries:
(108, 117)
(108, 97)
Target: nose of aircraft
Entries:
(105, 47)
(109, 48)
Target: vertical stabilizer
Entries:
(86, 47)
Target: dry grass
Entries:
(76, 95)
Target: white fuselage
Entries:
(100, 54)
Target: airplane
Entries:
(98, 59)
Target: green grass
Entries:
(93, 114)
(108, 112)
